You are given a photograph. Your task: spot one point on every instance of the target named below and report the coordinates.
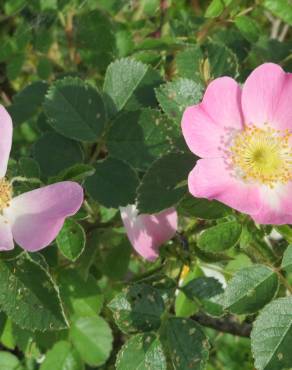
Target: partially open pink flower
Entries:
(148, 232)
(244, 139)
(32, 219)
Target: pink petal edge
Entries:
(205, 126)
(6, 239)
(6, 129)
(266, 97)
(276, 205)
(36, 217)
(212, 179)
(148, 232)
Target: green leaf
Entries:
(48, 5)
(202, 287)
(81, 296)
(7, 335)
(78, 172)
(202, 208)
(27, 102)
(186, 344)
(215, 8)
(95, 38)
(62, 357)
(161, 186)
(113, 184)
(71, 240)
(92, 337)
(29, 167)
(116, 260)
(75, 109)
(9, 362)
(66, 153)
(140, 137)
(285, 231)
(222, 60)
(13, 70)
(175, 96)
(121, 80)
(29, 296)
(44, 68)
(287, 259)
(248, 28)
(206, 291)
(281, 8)
(250, 289)
(141, 352)
(271, 336)
(220, 237)
(188, 63)
(144, 94)
(138, 308)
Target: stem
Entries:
(226, 324)
(32, 180)
(283, 280)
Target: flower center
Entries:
(5, 193)
(263, 155)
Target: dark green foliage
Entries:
(96, 91)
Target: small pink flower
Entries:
(32, 219)
(148, 232)
(244, 139)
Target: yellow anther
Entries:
(5, 193)
(263, 155)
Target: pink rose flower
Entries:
(148, 232)
(244, 139)
(32, 219)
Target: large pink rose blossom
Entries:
(244, 139)
(32, 219)
(148, 232)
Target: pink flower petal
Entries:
(276, 205)
(37, 217)
(5, 139)
(283, 113)
(212, 179)
(148, 232)
(205, 125)
(262, 94)
(6, 239)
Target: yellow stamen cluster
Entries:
(263, 155)
(5, 193)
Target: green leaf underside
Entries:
(137, 309)
(62, 357)
(271, 336)
(92, 337)
(287, 259)
(71, 239)
(122, 79)
(175, 96)
(250, 289)
(185, 343)
(29, 296)
(220, 237)
(141, 352)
